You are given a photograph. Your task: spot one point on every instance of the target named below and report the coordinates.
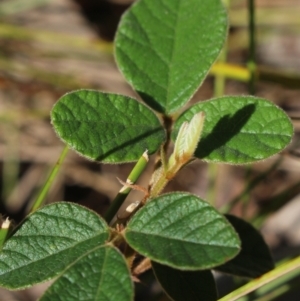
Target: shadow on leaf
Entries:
(121, 150)
(152, 103)
(226, 128)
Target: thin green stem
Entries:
(285, 287)
(273, 275)
(246, 197)
(219, 89)
(220, 79)
(275, 293)
(275, 203)
(277, 287)
(43, 192)
(213, 170)
(252, 69)
(229, 206)
(125, 190)
(252, 46)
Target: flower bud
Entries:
(187, 140)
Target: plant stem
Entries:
(220, 79)
(124, 191)
(275, 203)
(278, 287)
(279, 290)
(213, 170)
(185, 145)
(160, 183)
(219, 83)
(163, 177)
(219, 89)
(249, 187)
(246, 197)
(47, 185)
(251, 60)
(253, 285)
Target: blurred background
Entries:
(50, 47)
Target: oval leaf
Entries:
(166, 48)
(186, 285)
(106, 127)
(239, 129)
(182, 231)
(47, 241)
(255, 258)
(101, 274)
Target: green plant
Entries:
(164, 49)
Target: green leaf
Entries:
(101, 274)
(166, 48)
(255, 259)
(239, 129)
(47, 241)
(186, 285)
(106, 127)
(182, 231)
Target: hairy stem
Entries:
(124, 191)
